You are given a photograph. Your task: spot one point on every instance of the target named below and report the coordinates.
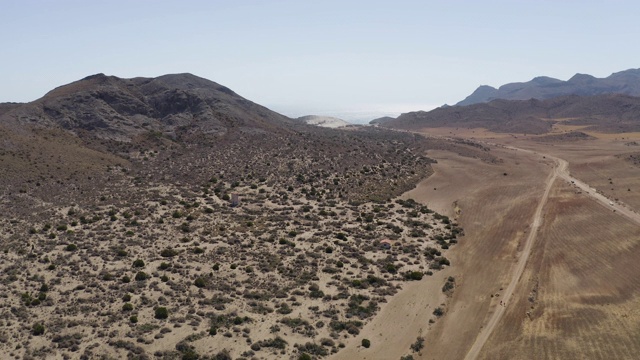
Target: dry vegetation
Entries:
(286, 264)
(119, 240)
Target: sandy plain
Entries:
(574, 293)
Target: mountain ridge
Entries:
(625, 82)
(605, 113)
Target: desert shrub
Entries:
(438, 312)
(276, 343)
(222, 355)
(164, 266)
(37, 329)
(418, 345)
(133, 319)
(161, 313)
(138, 263)
(71, 247)
(366, 343)
(200, 282)
(168, 253)
(127, 307)
(313, 349)
(184, 227)
(413, 275)
(141, 276)
(450, 284)
(198, 250)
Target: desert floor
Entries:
(561, 283)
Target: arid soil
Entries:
(575, 293)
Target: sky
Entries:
(354, 59)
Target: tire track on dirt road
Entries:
(560, 170)
(486, 331)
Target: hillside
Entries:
(624, 82)
(606, 113)
(381, 120)
(155, 216)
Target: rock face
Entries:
(607, 113)
(323, 121)
(624, 82)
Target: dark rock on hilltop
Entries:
(174, 105)
(624, 82)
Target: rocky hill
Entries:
(624, 82)
(171, 218)
(381, 120)
(606, 113)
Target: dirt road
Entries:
(486, 331)
(560, 170)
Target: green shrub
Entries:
(127, 307)
(37, 329)
(168, 253)
(141, 276)
(161, 313)
(366, 343)
(198, 250)
(133, 319)
(71, 247)
(200, 282)
(138, 263)
(414, 275)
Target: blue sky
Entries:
(357, 59)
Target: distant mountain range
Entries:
(624, 82)
(606, 113)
